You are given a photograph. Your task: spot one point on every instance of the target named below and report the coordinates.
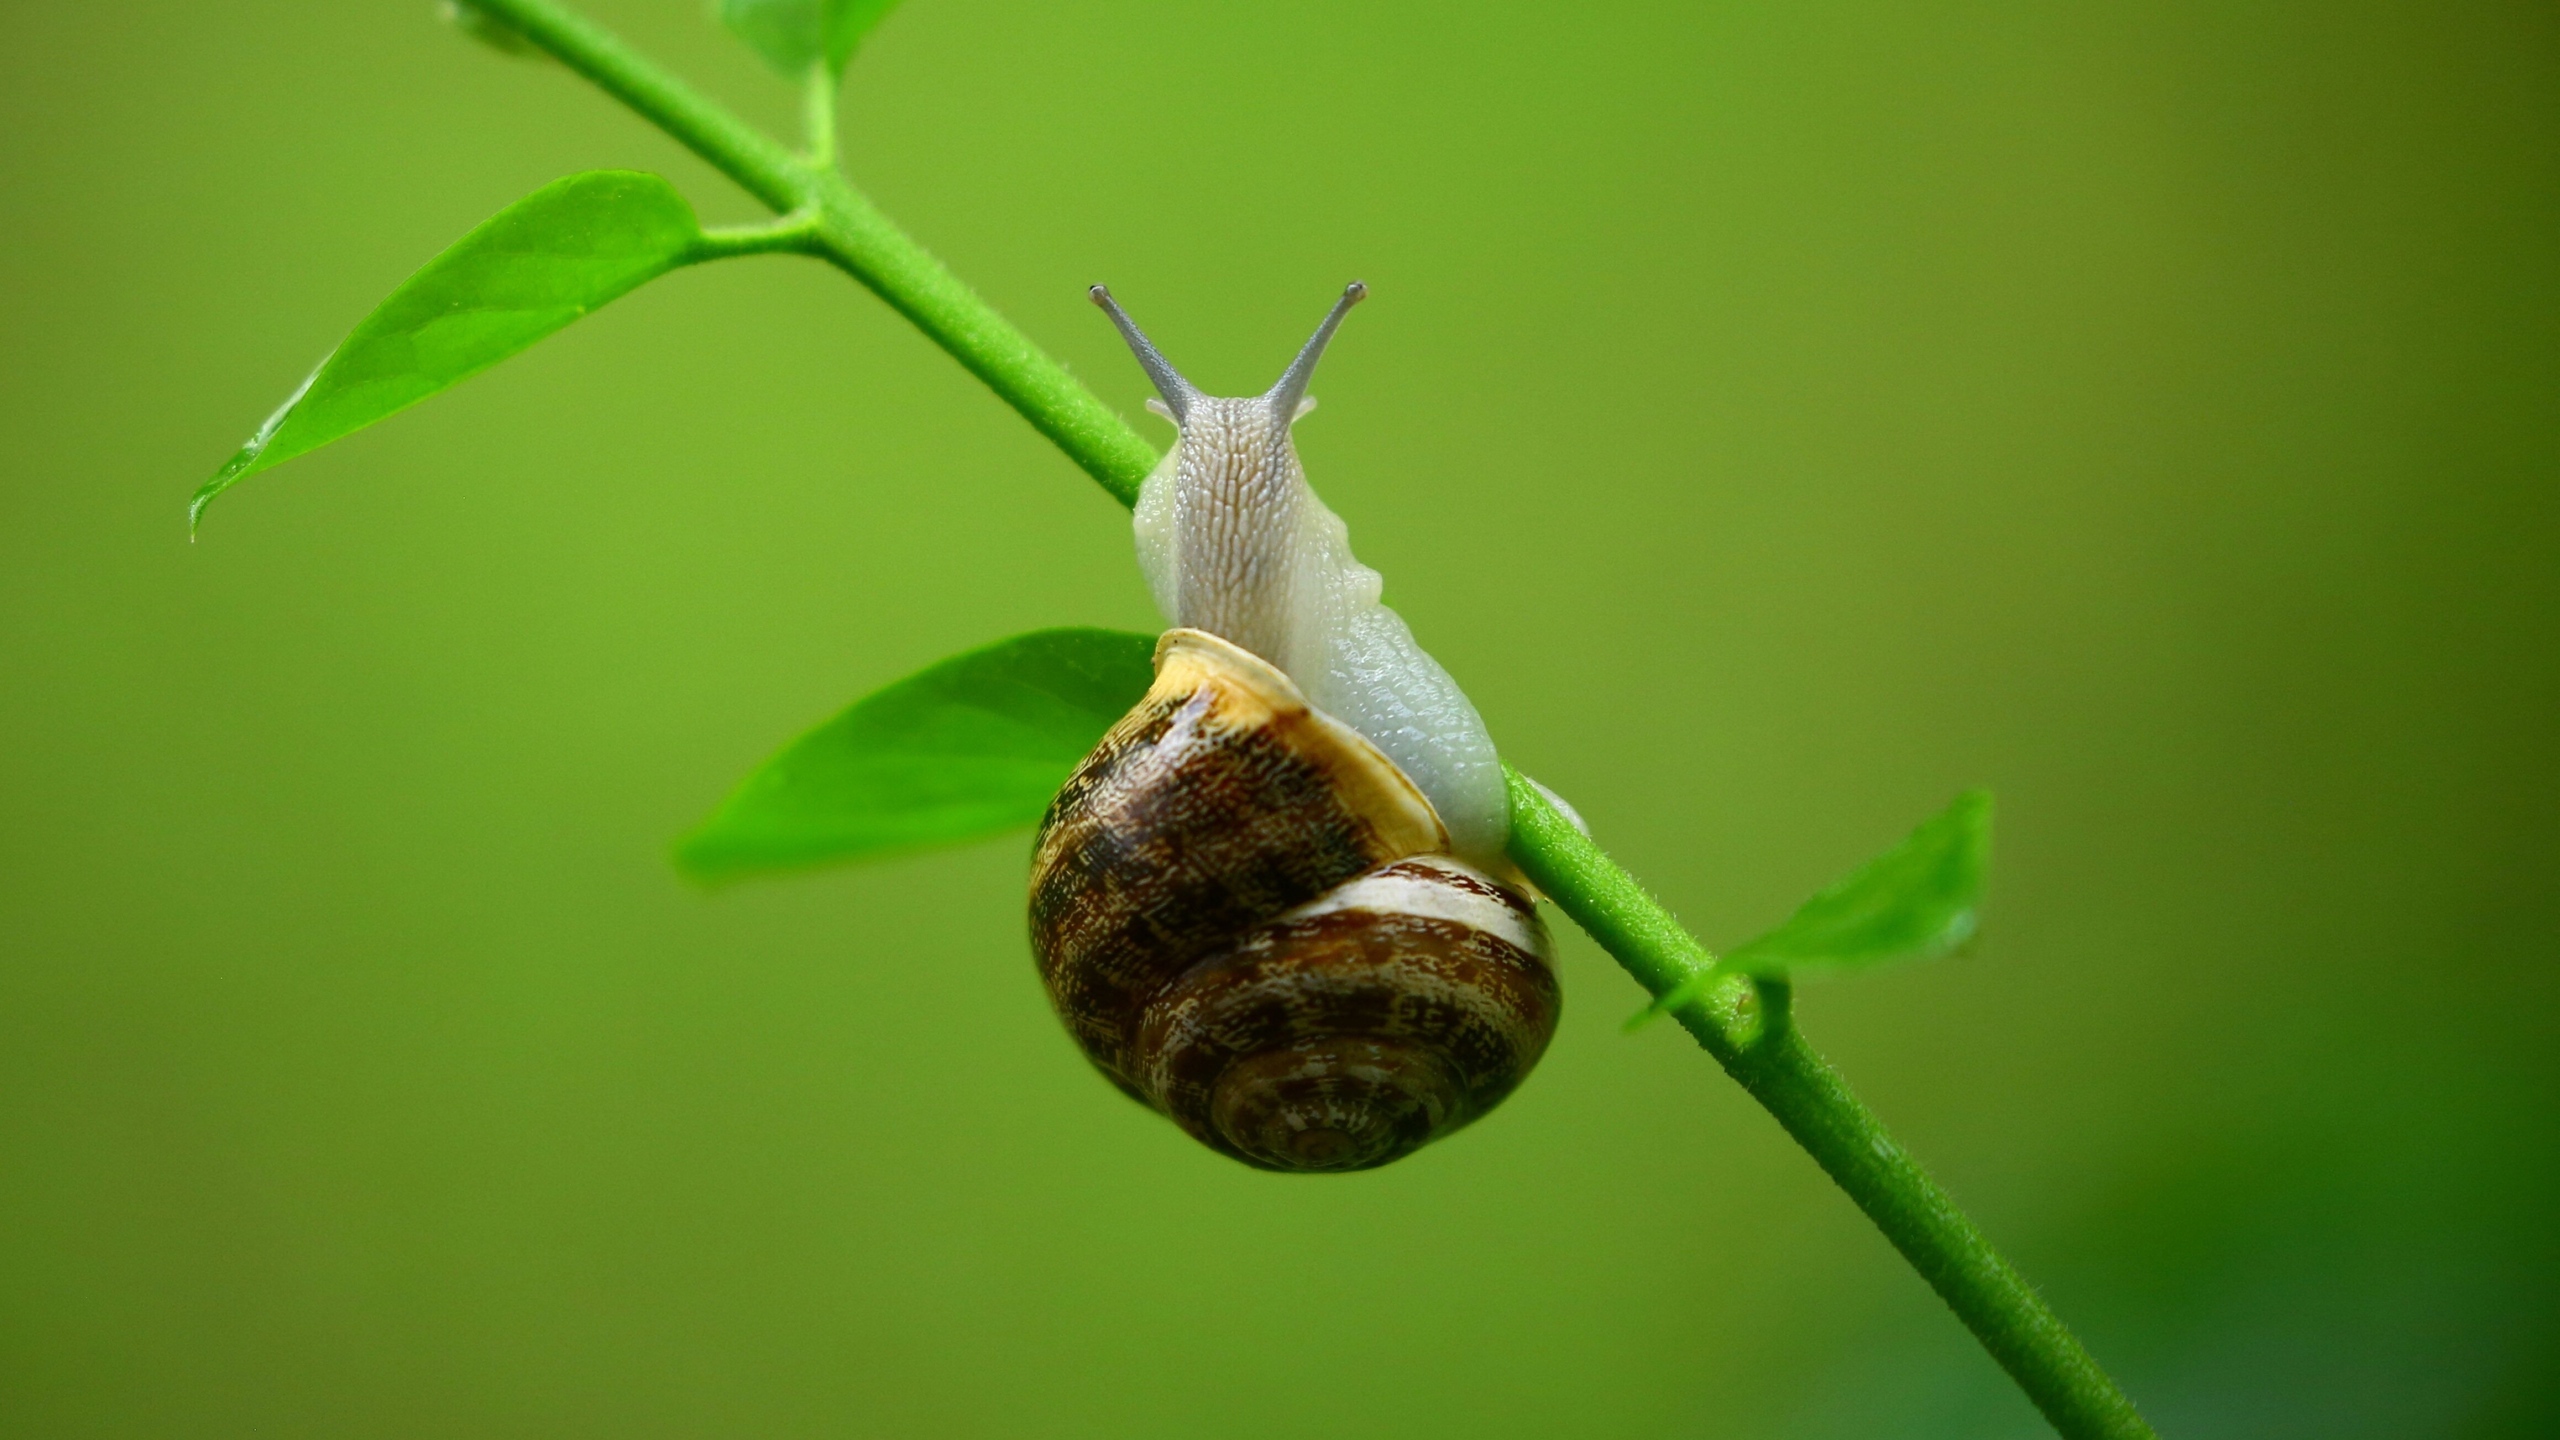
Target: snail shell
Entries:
(1249, 920)
(1272, 919)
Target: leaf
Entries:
(793, 35)
(542, 262)
(1914, 901)
(962, 751)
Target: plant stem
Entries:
(1743, 1023)
(793, 234)
(856, 238)
(1745, 1028)
(818, 114)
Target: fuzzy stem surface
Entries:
(1742, 1023)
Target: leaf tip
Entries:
(250, 459)
(223, 479)
(478, 24)
(1976, 806)
(696, 856)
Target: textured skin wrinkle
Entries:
(1248, 919)
(1234, 542)
(1233, 522)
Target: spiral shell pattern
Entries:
(1248, 919)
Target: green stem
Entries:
(818, 114)
(857, 239)
(1745, 1026)
(794, 234)
(1742, 1022)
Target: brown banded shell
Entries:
(1247, 917)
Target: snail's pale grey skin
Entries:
(1235, 542)
(1268, 905)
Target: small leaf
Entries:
(793, 35)
(542, 262)
(962, 751)
(1916, 900)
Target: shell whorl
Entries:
(1247, 916)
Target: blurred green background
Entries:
(1781, 416)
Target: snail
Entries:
(1272, 904)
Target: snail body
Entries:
(1234, 541)
(1271, 904)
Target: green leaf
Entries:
(1916, 900)
(542, 262)
(968, 749)
(793, 35)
